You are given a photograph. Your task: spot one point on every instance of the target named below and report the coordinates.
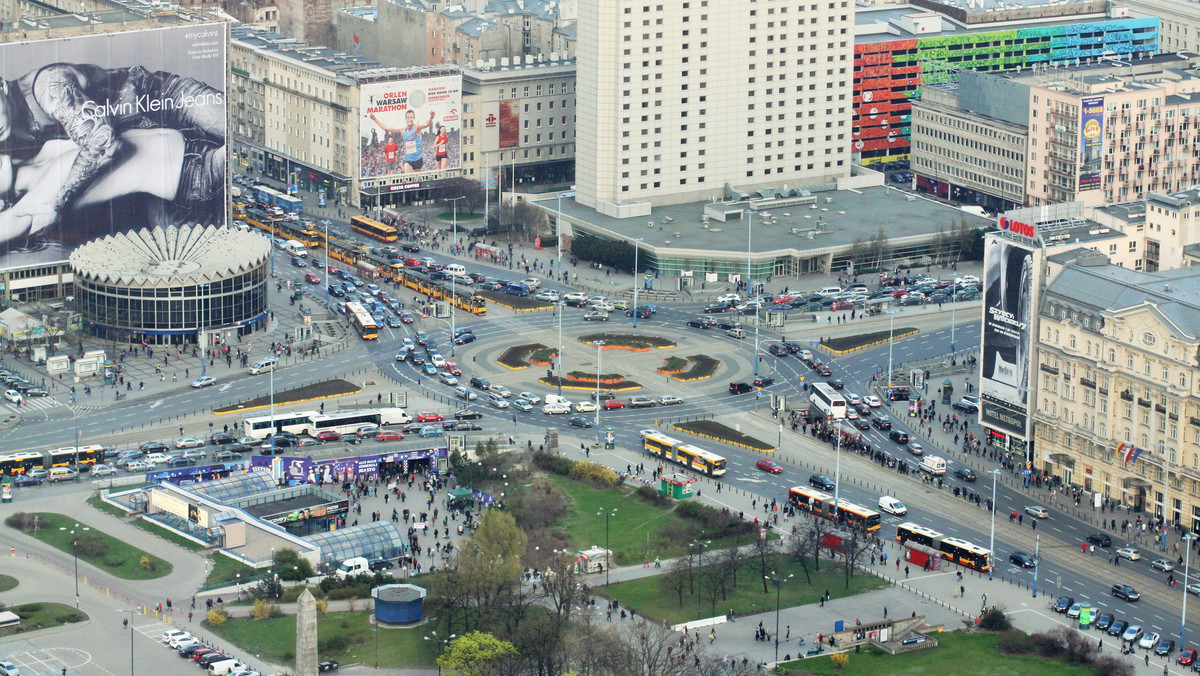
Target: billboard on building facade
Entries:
(410, 127)
(510, 124)
(1091, 141)
(110, 133)
(1007, 342)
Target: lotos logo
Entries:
(1017, 227)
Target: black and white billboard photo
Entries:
(109, 133)
(1007, 343)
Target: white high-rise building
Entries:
(677, 98)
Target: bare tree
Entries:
(561, 586)
(854, 547)
(678, 578)
(764, 549)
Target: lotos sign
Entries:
(1017, 227)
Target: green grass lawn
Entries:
(649, 597)
(120, 559)
(346, 636)
(169, 536)
(636, 532)
(225, 569)
(42, 616)
(958, 653)
(8, 583)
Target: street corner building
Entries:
(166, 285)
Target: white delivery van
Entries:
(892, 506)
(263, 365)
(295, 248)
(223, 667)
(555, 399)
(934, 465)
(456, 270)
(393, 416)
(353, 566)
(736, 333)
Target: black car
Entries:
(212, 657)
(410, 247)
(778, 350)
(1164, 647)
(862, 423)
(602, 396)
(154, 447)
(481, 384)
(413, 427)
(642, 313)
(825, 371)
(739, 388)
(237, 448)
(467, 414)
(966, 474)
(1023, 560)
(1063, 604)
(460, 426)
(381, 564)
(224, 454)
(1100, 540)
(965, 406)
(764, 381)
(351, 438)
(1117, 627)
(726, 325)
(284, 442)
(837, 384)
(580, 421)
(22, 480)
(464, 339)
(701, 323)
(328, 665)
(492, 286)
(337, 291)
(883, 423)
(821, 481)
(278, 450)
(1125, 591)
(187, 650)
(221, 438)
(1103, 621)
(716, 308)
(898, 436)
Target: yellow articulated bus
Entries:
(661, 446)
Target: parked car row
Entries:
(215, 662)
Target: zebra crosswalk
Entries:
(46, 404)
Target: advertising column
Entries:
(1007, 344)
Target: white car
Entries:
(729, 298)
(576, 296)
(172, 633)
(1037, 511)
(892, 506)
(103, 470)
(1129, 554)
(447, 379)
(530, 397)
(138, 466)
(204, 381)
(1165, 565)
(9, 669)
(437, 360)
(1149, 640)
(176, 639)
(194, 454)
(669, 400)
(188, 442)
(851, 414)
(805, 355)
(552, 409)
(967, 279)
(603, 306)
(186, 641)
(500, 390)
(585, 407)
(852, 399)
(872, 401)
(531, 282)
(551, 296)
(13, 396)
(156, 459)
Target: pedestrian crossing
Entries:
(46, 404)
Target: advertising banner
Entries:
(1091, 147)
(510, 124)
(1007, 343)
(410, 127)
(109, 133)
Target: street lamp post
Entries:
(1037, 545)
(200, 331)
(599, 348)
(75, 554)
(837, 470)
(1164, 449)
(558, 357)
(775, 578)
(992, 546)
(749, 263)
(700, 547)
(635, 278)
(454, 278)
(1187, 560)
(607, 514)
(440, 641)
(891, 326)
(131, 630)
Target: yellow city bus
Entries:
(373, 228)
(362, 321)
(692, 457)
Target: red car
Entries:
(413, 260)
(312, 278)
(452, 369)
(388, 435)
(769, 466)
(406, 317)
(1187, 656)
(429, 416)
(614, 404)
(328, 435)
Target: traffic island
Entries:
(607, 383)
(323, 390)
(697, 367)
(90, 544)
(517, 303)
(8, 583)
(711, 429)
(624, 341)
(522, 356)
(35, 616)
(862, 341)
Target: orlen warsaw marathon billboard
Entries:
(109, 133)
(1007, 341)
(410, 127)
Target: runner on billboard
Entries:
(163, 163)
(441, 147)
(389, 153)
(92, 106)
(410, 134)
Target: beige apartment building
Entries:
(1166, 226)
(678, 98)
(1118, 390)
(1179, 22)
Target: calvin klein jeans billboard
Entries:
(109, 133)
(1007, 343)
